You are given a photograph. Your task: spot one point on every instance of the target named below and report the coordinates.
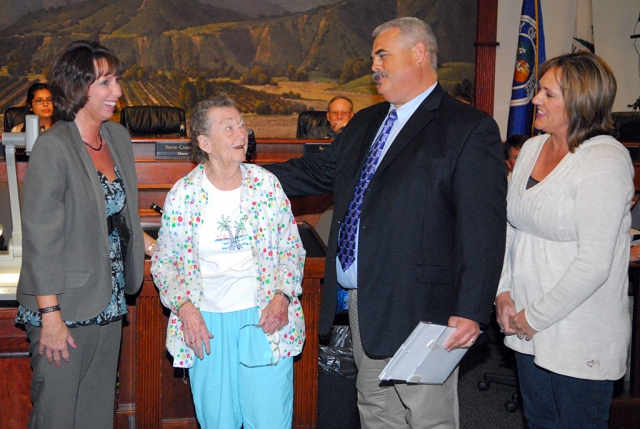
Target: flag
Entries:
(583, 28)
(529, 56)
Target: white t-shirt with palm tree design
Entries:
(226, 263)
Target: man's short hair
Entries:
(413, 31)
(339, 97)
(516, 140)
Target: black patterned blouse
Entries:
(119, 234)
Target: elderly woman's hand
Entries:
(521, 326)
(505, 310)
(275, 315)
(194, 329)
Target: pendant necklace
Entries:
(94, 148)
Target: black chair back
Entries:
(308, 120)
(154, 120)
(627, 126)
(14, 116)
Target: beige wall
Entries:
(613, 23)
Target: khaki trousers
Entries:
(391, 405)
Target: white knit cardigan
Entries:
(567, 257)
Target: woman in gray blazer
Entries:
(83, 244)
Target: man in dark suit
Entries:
(429, 225)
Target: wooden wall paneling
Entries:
(156, 177)
(178, 411)
(149, 351)
(305, 369)
(15, 382)
(486, 42)
(125, 393)
(21, 168)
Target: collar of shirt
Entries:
(349, 279)
(404, 113)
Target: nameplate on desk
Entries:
(173, 149)
(314, 148)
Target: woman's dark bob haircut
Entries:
(74, 69)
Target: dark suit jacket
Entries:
(65, 242)
(433, 220)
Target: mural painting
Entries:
(276, 58)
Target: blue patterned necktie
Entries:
(347, 234)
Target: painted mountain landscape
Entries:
(276, 58)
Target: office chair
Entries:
(308, 120)
(507, 361)
(154, 120)
(627, 126)
(511, 405)
(14, 116)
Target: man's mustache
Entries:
(377, 75)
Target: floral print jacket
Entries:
(275, 244)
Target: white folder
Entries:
(422, 358)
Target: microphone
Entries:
(251, 147)
(156, 207)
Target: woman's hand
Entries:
(521, 326)
(149, 244)
(54, 338)
(194, 329)
(275, 315)
(634, 254)
(505, 310)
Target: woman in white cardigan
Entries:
(562, 299)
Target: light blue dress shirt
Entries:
(349, 279)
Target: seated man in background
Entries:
(512, 148)
(339, 113)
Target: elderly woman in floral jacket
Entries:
(229, 265)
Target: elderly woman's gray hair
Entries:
(200, 123)
(413, 31)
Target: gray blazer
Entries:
(65, 241)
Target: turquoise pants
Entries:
(228, 394)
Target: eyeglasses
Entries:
(40, 101)
(254, 349)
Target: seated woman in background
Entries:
(39, 103)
